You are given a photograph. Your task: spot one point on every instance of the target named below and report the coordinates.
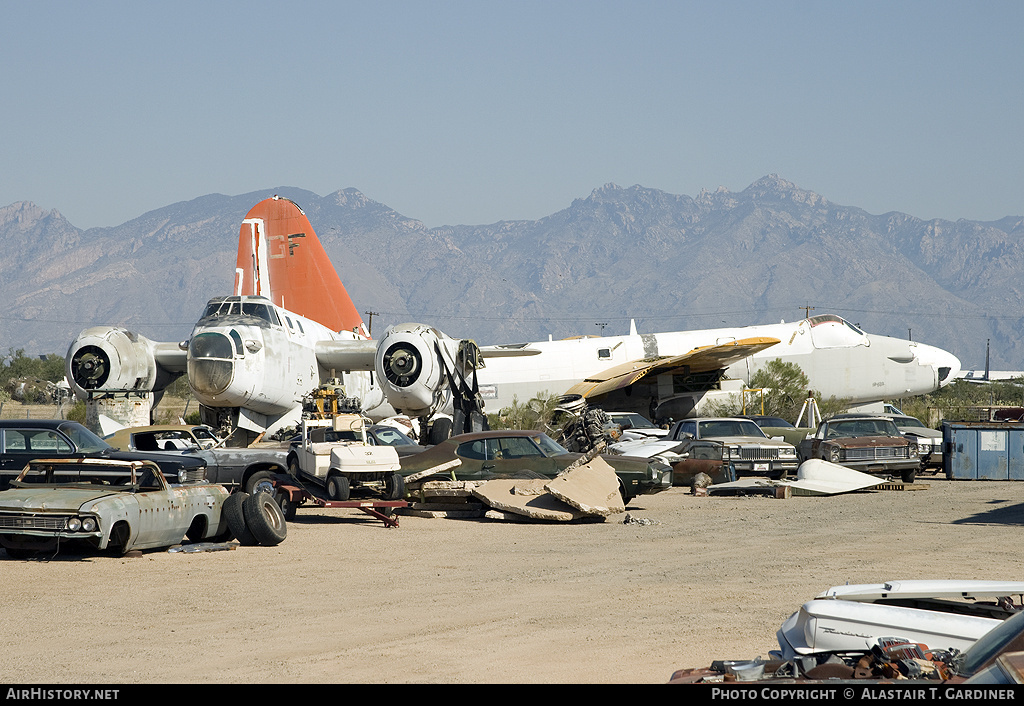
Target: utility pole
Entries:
(369, 323)
(807, 311)
(602, 325)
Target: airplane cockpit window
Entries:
(210, 345)
(830, 331)
(261, 311)
(237, 340)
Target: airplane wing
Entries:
(699, 360)
(512, 350)
(346, 355)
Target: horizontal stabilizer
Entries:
(702, 359)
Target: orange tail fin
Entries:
(280, 257)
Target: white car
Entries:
(943, 615)
(105, 504)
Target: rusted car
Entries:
(748, 449)
(867, 444)
(105, 504)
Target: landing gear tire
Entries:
(440, 430)
(264, 519)
(235, 515)
(394, 486)
(338, 488)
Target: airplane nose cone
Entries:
(947, 365)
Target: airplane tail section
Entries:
(281, 258)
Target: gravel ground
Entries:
(344, 599)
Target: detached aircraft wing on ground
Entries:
(289, 326)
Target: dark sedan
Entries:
(24, 440)
(516, 454)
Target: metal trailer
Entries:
(290, 496)
(983, 450)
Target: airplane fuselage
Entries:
(258, 361)
(838, 358)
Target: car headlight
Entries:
(912, 449)
(74, 524)
(835, 454)
(787, 453)
(89, 524)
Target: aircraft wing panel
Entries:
(170, 357)
(346, 355)
(508, 351)
(699, 360)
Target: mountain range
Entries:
(771, 252)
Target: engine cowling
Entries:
(410, 365)
(111, 358)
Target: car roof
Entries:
(36, 423)
(494, 434)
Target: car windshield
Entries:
(909, 422)
(992, 643)
(772, 422)
(391, 437)
(632, 421)
(549, 445)
(729, 427)
(113, 478)
(861, 427)
(85, 440)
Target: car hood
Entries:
(49, 499)
(923, 433)
(861, 442)
(747, 440)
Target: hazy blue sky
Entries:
(475, 112)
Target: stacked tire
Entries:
(255, 519)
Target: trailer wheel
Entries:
(265, 519)
(233, 512)
(288, 507)
(394, 486)
(338, 488)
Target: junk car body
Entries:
(869, 444)
(520, 453)
(103, 503)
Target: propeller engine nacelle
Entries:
(110, 358)
(414, 365)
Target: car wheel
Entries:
(908, 475)
(235, 515)
(338, 488)
(260, 482)
(120, 535)
(394, 486)
(264, 519)
(626, 497)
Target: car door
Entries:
(517, 455)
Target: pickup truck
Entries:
(335, 454)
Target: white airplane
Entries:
(677, 374)
(290, 326)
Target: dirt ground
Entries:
(344, 599)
